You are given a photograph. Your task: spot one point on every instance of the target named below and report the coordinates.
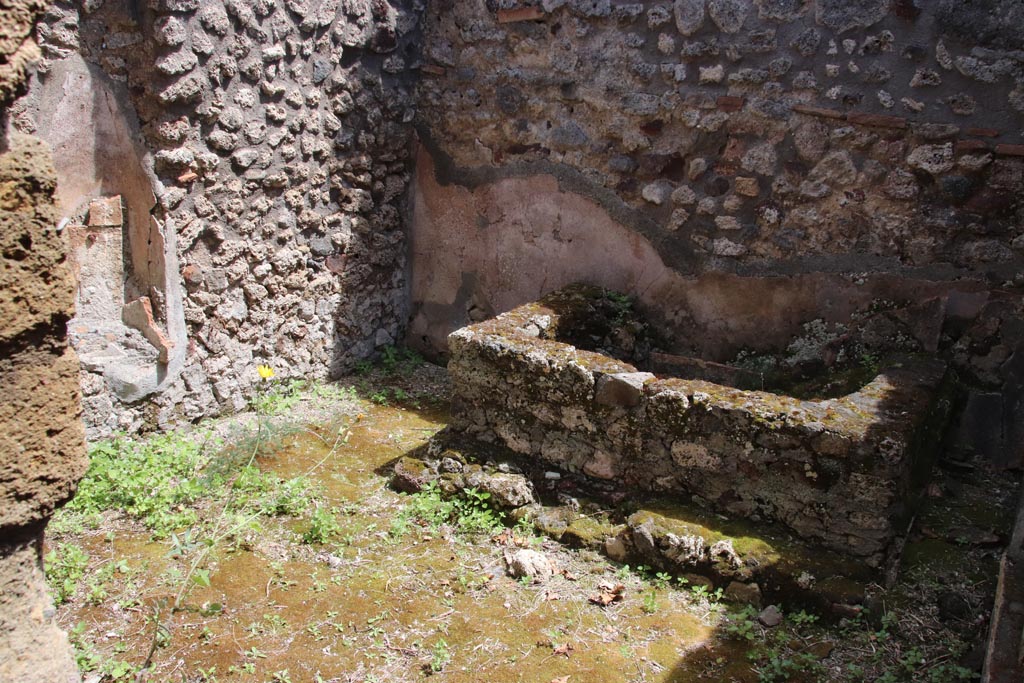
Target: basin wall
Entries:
(840, 472)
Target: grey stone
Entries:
(689, 15)
(529, 563)
(658, 192)
(729, 15)
(711, 74)
(1016, 98)
(184, 90)
(835, 168)
(807, 42)
(181, 156)
(811, 140)
(173, 5)
(222, 141)
(170, 31)
(244, 158)
(622, 164)
(924, 78)
(770, 616)
(847, 15)
(781, 10)
(321, 69)
(659, 15)
(962, 104)
(934, 159)
(900, 184)
(507, 490)
(215, 19)
(726, 247)
(591, 8)
(761, 158)
(684, 195)
(569, 135)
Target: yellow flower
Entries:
(266, 372)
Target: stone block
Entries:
(34, 285)
(41, 454)
(622, 389)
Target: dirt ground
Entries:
(287, 557)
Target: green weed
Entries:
(65, 566)
(470, 514)
(323, 525)
(152, 480)
(440, 656)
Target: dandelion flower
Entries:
(266, 372)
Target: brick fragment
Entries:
(970, 145)
(983, 132)
(139, 314)
(730, 102)
(105, 211)
(1010, 150)
(509, 16)
(821, 112)
(876, 120)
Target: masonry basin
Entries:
(843, 472)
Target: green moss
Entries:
(588, 532)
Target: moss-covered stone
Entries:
(839, 472)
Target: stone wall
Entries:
(261, 150)
(843, 472)
(41, 447)
(742, 166)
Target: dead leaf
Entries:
(606, 585)
(605, 598)
(563, 650)
(548, 595)
(569, 575)
(560, 679)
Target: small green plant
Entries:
(662, 579)
(399, 360)
(743, 625)
(88, 659)
(278, 398)
(152, 480)
(65, 566)
(776, 665)
(323, 525)
(98, 582)
(439, 656)
(475, 514)
(622, 304)
(802, 618)
(650, 605)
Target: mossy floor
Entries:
(318, 571)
